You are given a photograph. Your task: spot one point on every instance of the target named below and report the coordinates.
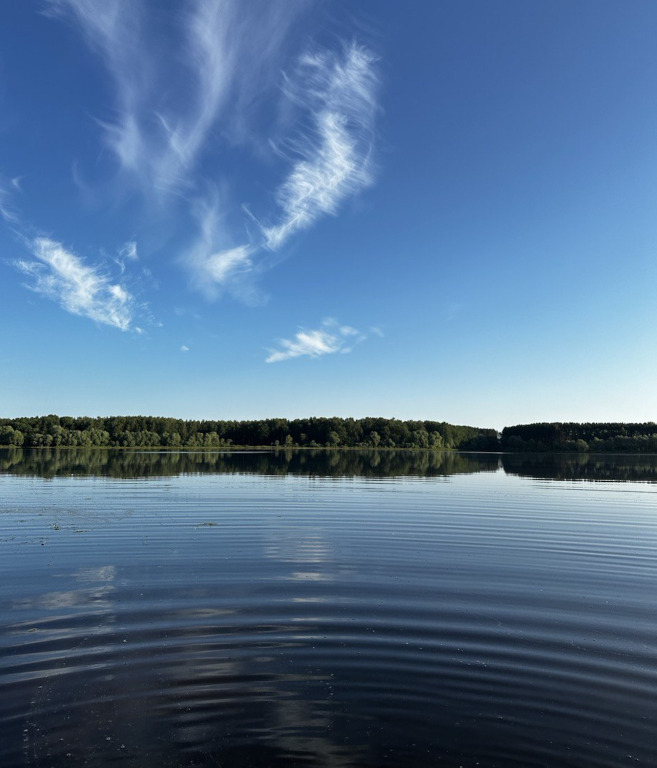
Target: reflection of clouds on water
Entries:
(314, 599)
(199, 612)
(192, 672)
(206, 658)
(281, 699)
(315, 737)
(104, 573)
(298, 547)
(96, 597)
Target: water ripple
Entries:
(264, 621)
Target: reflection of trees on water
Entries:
(585, 466)
(63, 462)
(57, 462)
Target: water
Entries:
(327, 609)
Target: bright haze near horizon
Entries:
(227, 210)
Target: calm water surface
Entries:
(327, 609)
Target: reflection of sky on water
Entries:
(80, 599)
(275, 632)
(310, 576)
(314, 599)
(307, 548)
(297, 546)
(96, 597)
(90, 575)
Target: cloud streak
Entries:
(212, 267)
(333, 158)
(170, 102)
(63, 277)
(113, 29)
(129, 251)
(80, 289)
(330, 338)
(186, 85)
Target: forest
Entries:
(319, 432)
(162, 432)
(591, 437)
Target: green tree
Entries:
(334, 439)
(6, 435)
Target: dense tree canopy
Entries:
(149, 431)
(593, 437)
(319, 432)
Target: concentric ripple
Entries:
(257, 620)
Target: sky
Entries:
(445, 209)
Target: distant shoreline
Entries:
(163, 433)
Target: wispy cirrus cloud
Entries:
(214, 268)
(329, 338)
(129, 251)
(171, 100)
(331, 157)
(126, 254)
(79, 288)
(113, 29)
(190, 84)
(64, 277)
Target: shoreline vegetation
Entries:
(127, 432)
(315, 432)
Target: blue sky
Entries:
(218, 209)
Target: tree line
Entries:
(592, 437)
(316, 432)
(320, 432)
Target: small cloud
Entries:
(326, 340)
(213, 267)
(184, 348)
(220, 266)
(129, 251)
(78, 288)
(119, 293)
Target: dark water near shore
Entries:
(327, 609)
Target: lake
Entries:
(313, 608)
